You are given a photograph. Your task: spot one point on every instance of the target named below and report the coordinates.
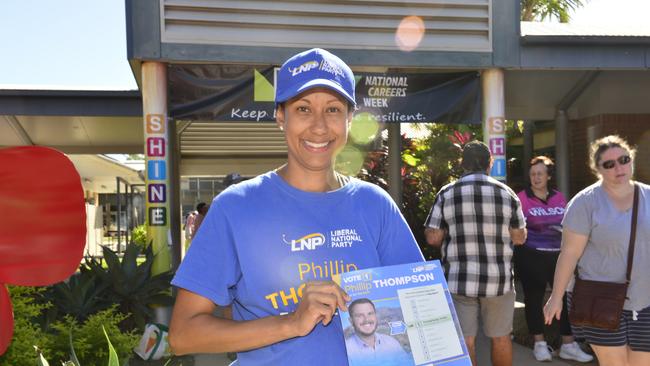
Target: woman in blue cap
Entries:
(270, 245)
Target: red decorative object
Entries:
(43, 224)
(460, 139)
(6, 319)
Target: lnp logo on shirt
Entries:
(307, 242)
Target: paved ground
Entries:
(522, 357)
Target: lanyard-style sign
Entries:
(42, 225)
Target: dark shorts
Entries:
(635, 333)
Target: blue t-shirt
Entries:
(262, 239)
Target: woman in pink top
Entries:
(535, 261)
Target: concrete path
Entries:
(522, 356)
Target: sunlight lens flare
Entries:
(409, 33)
(349, 161)
(364, 128)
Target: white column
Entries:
(494, 128)
(157, 167)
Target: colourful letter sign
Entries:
(156, 146)
(156, 170)
(157, 216)
(157, 193)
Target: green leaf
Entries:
(112, 260)
(410, 159)
(41, 360)
(73, 356)
(112, 355)
(130, 260)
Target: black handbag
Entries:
(599, 304)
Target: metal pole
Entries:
(395, 163)
(562, 151)
(119, 211)
(175, 215)
(529, 145)
(129, 207)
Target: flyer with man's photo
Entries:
(401, 315)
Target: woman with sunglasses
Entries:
(596, 233)
(535, 260)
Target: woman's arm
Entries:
(573, 245)
(194, 328)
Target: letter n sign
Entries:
(157, 193)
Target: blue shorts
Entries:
(633, 331)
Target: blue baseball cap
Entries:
(311, 69)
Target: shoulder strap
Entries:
(630, 250)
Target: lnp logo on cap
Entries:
(304, 67)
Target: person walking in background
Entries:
(476, 219)
(201, 211)
(189, 226)
(535, 261)
(595, 237)
(232, 178)
(271, 244)
(189, 221)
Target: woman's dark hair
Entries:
(548, 163)
(601, 145)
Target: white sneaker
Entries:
(542, 351)
(571, 351)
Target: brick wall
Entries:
(635, 128)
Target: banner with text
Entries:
(245, 93)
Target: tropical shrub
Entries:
(113, 280)
(27, 332)
(131, 285)
(79, 296)
(89, 338)
(54, 342)
(139, 235)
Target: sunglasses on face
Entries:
(622, 160)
